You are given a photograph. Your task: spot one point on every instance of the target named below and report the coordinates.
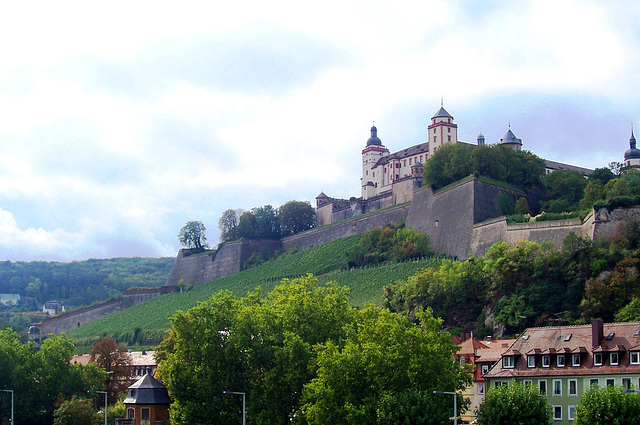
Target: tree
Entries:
(602, 175)
(522, 206)
(192, 235)
(503, 404)
(295, 217)
(608, 406)
(114, 359)
(385, 358)
(262, 346)
(565, 189)
(266, 225)
(228, 224)
(246, 226)
(77, 411)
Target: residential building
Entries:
(481, 355)
(563, 362)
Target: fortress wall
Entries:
(491, 231)
(606, 223)
(403, 190)
(323, 214)
(67, 322)
(354, 226)
(446, 217)
(189, 268)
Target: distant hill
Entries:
(146, 323)
(81, 283)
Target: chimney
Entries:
(597, 332)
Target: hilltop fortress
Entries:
(461, 219)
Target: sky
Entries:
(121, 121)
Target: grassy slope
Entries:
(151, 317)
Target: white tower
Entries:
(442, 130)
(371, 154)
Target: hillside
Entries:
(145, 324)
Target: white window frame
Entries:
(571, 412)
(481, 388)
(557, 413)
(560, 360)
(575, 359)
(610, 382)
(574, 383)
(634, 357)
(626, 383)
(528, 382)
(594, 382)
(531, 361)
(557, 387)
(597, 359)
(484, 369)
(508, 362)
(614, 358)
(546, 360)
(542, 383)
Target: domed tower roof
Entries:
(374, 140)
(632, 152)
(510, 138)
(480, 138)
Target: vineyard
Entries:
(145, 324)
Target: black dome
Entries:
(374, 140)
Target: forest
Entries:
(75, 284)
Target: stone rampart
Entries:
(606, 222)
(353, 226)
(69, 321)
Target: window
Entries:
(571, 412)
(557, 413)
(531, 361)
(573, 387)
(448, 138)
(508, 362)
(626, 383)
(480, 388)
(500, 383)
(634, 357)
(131, 413)
(597, 359)
(575, 359)
(546, 360)
(593, 382)
(484, 369)
(463, 361)
(557, 388)
(611, 382)
(560, 360)
(145, 416)
(613, 359)
(542, 385)
(528, 382)
(449, 130)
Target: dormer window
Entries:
(634, 357)
(560, 360)
(597, 359)
(531, 361)
(613, 359)
(508, 362)
(546, 360)
(484, 369)
(575, 359)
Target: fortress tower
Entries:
(442, 130)
(371, 154)
(632, 155)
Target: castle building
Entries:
(382, 169)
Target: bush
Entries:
(608, 406)
(503, 404)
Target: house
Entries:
(141, 362)
(147, 403)
(481, 355)
(563, 362)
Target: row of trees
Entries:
(530, 284)
(267, 222)
(304, 355)
(390, 243)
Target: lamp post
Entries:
(105, 403)
(243, 403)
(10, 391)
(455, 404)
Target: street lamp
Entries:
(455, 404)
(243, 400)
(10, 391)
(105, 403)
